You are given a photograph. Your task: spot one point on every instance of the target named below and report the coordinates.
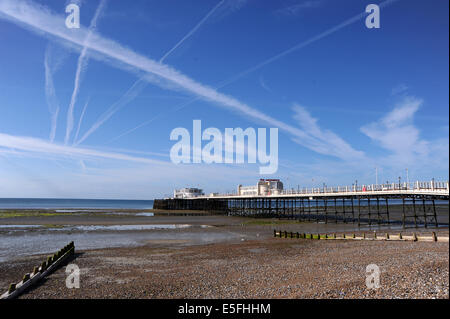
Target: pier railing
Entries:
(437, 187)
(432, 185)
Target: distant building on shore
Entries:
(187, 193)
(263, 187)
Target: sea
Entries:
(51, 203)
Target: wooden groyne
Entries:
(40, 272)
(386, 237)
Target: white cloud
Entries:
(52, 101)
(397, 133)
(295, 9)
(39, 146)
(263, 84)
(320, 140)
(401, 88)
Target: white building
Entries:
(187, 193)
(264, 187)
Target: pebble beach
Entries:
(247, 263)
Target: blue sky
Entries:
(87, 113)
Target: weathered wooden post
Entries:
(434, 236)
(11, 288)
(26, 277)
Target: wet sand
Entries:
(231, 258)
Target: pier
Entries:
(413, 204)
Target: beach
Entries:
(215, 257)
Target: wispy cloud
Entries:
(321, 140)
(81, 119)
(128, 181)
(110, 50)
(39, 146)
(77, 2)
(295, 9)
(52, 101)
(83, 165)
(263, 84)
(81, 69)
(190, 33)
(397, 133)
(401, 88)
(134, 128)
(130, 95)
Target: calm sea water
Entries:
(48, 203)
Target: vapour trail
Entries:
(81, 119)
(81, 68)
(190, 33)
(131, 94)
(299, 46)
(110, 51)
(50, 95)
